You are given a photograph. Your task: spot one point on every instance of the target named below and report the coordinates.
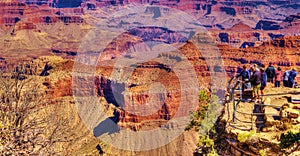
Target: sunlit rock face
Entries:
(49, 23)
(213, 14)
(235, 23)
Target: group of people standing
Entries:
(257, 78)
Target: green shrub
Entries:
(204, 119)
(262, 153)
(289, 139)
(203, 96)
(208, 143)
(204, 140)
(199, 115)
(244, 136)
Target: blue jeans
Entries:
(246, 86)
(291, 83)
(285, 83)
(277, 84)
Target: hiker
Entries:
(278, 77)
(286, 78)
(245, 77)
(263, 80)
(250, 70)
(255, 67)
(255, 80)
(292, 76)
(271, 72)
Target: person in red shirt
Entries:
(278, 77)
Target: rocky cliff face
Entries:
(260, 134)
(14, 12)
(152, 95)
(281, 51)
(244, 29)
(58, 85)
(132, 95)
(137, 106)
(213, 14)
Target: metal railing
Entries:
(235, 102)
(253, 114)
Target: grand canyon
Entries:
(122, 77)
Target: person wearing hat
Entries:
(292, 76)
(271, 72)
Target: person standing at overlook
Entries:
(250, 70)
(278, 77)
(263, 81)
(286, 78)
(271, 72)
(292, 76)
(255, 80)
(245, 75)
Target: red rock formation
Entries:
(282, 52)
(240, 27)
(134, 92)
(63, 87)
(13, 12)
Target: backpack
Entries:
(271, 71)
(292, 75)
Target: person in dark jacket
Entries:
(271, 72)
(263, 81)
(292, 76)
(286, 78)
(255, 80)
(245, 75)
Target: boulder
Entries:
(292, 113)
(284, 106)
(286, 126)
(283, 114)
(291, 105)
(294, 121)
(268, 129)
(287, 105)
(296, 106)
(267, 101)
(270, 123)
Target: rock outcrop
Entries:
(13, 12)
(256, 129)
